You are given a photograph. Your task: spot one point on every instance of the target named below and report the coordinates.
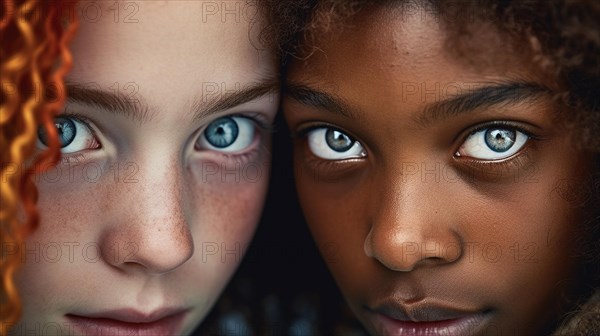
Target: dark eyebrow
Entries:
(319, 99)
(136, 109)
(230, 98)
(128, 105)
(488, 95)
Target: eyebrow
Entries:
(117, 102)
(203, 107)
(319, 99)
(136, 109)
(487, 95)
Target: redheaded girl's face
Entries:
(429, 181)
(164, 170)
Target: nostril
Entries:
(432, 261)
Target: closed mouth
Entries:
(129, 322)
(426, 320)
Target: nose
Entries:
(148, 229)
(412, 225)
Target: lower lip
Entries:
(169, 325)
(466, 325)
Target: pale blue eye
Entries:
(74, 135)
(331, 144)
(228, 134)
(500, 140)
(494, 143)
(338, 141)
(222, 132)
(66, 132)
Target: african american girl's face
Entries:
(163, 172)
(429, 180)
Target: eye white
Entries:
(246, 131)
(476, 146)
(319, 145)
(83, 137)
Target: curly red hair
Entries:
(35, 58)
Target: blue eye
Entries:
(338, 141)
(500, 140)
(66, 132)
(222, 132)
(494, 143)
(228, 134)
(331, 144)
(73, 134)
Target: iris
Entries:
(500, 140)
(338, 141)
(222, 132)
(66, 132)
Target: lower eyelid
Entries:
(243, 157)
(519, 160)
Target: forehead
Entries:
(394, 45)
(169, 48)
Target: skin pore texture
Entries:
(147, 214)
(426, 230)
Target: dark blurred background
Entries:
(282, 286)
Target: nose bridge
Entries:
(412, 223)
(151, 229)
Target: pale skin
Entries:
(419, 221)
(168, 220)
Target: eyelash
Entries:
(500, 123)
(313, 126)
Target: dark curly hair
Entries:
(562, 37)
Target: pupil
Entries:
(222, 132)
(338, 141)
(500, 140)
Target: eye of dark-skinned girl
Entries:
(338, 141)
(331, 144)
(500, 140)
(493, 143)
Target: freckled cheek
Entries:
(69, 210)
(227, 200)
(69, 219)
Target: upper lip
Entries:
(421, 312)
(130, 315)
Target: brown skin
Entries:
(395, 234)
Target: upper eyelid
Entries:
(509, 125)
(515, 125)
(303, 131)
(87, 122)
(81, 118)
(257, 118)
